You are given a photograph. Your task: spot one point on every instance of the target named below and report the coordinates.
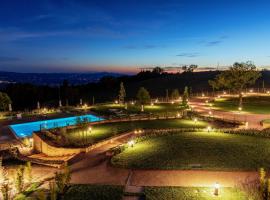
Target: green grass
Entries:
(103, 131)
(213, 151)
(192, 193)
(94, 192)
(158, 108)
(251, 104)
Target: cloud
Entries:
(9, 59)
(217, 41)
(188, 55)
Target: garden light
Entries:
(131, 143)
(206, 101)
(195, 120)
(216, 191)
(132, 103)
(267, 92)
(172, 102)
(250, 91)
(224, 92)
(210, 112)
(240, 108)
(203, 95)
(210, 104)
(209, 128)
(178, 114)
(90, 129)
(156, 100)
(140, 131)
(152, 104)
(116, 102)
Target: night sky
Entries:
(122, 35)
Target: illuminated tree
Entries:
(143, 97)
(122, 93)
(237, 78)
(4, 101)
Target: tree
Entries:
(19, 179)
(143, 97)
(185, 97)
(237, 78)
(175, 94)
(62, 180)
(122, 93)
(157, 70)
(4, 101)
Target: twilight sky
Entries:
(122, 35)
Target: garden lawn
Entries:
(158, 108)
(94, 192)
(251, 104)
(213, 151)
(103, 131)
(192, 193)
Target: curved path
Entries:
(252, 119)
(93, 168)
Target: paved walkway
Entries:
(252, 119)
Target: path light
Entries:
(90, 129)
(140, 131)
(135, 131)
(267, 92)
(152, 104)
(132, 103)
(206, 101)
(216, 191)
(246, 125)
(250, 90)
(224, 92)
(209, 129)
(240, 109)
(116, 102)
(210, 112)
(178, 115)
(195, 120)
(172, 102)
(210, 104)
(131, 143)
(218, 96)
(156, 100)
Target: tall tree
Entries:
(175, 94)
(122, 93)
(4, 101)
(143, 97)
(237, 78)
(185, 97)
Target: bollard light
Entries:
(216, 191)
(209, 128)
(131, 143)
(195, 120)
(90, 129)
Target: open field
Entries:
(251, 104)
(209, 151)
(103, 131)
(190, 193)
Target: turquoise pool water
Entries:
(27, 129)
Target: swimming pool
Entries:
(27, 129)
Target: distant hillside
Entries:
(25, 96)
(53, 79)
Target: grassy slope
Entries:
(251, 104)
(214, 151)
(182, 193)
(103, 131)
(94, 192)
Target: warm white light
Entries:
(131, 143)
(209, 128)
(156, 100)
(89, 129)
(250, 90)
(152, 104)
(267, 92)
(178, 114)
(216, 186)
(132, 103)
(224, 92)
(210, 104)
(210, 112)
(240, 108)
(172, 102)
(206, 101)
(203, 95)
(116, 102)
(195, 120)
